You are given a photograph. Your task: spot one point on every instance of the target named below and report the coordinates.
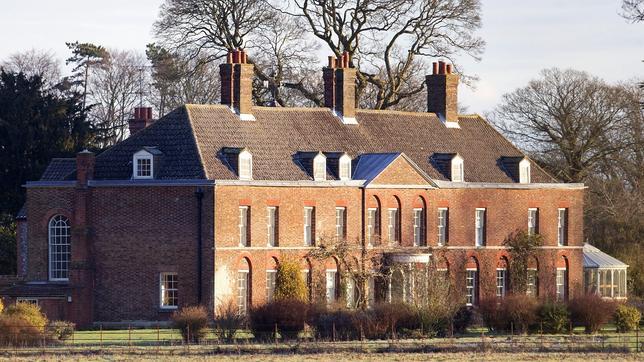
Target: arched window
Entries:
(472, 282)
(271, 279)
(60, 241)
(393, 221)
(420, 220)
(245, 165)
(502, 277)
(373, 221)
(244, 283)
(562, 279)
(532, 283)
(332, 281)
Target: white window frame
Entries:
(501, 282)
(471, 285)
(419, 227)
(457, 169)
(344, 165)
(245, 165)
(271, 226)
(532, 284)
(524, 171)
(31, 301)
(372, 224)
(319, 167)
(271, 277)
(242, 291)
(562, 218)
(244, 224)
(443, 226)
(309, 216)
(172, 289)
(371, 291)
(562, 283)
(306, 276)
(393, 225)
(59, 248)
(350, 292)
(480, 216)
(142, 155)
(340, 222)
(331, 285)
(533, 221)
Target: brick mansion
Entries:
(201, 205)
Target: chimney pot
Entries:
(340, 87)
(236, 82)
(442, 91)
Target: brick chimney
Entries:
(340, 88)
(85, 161)
(442, 92)
(237, 84)
(142, 118)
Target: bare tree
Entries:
(633, 10)
(114, 90)
(177, 80)
(35, 62)
(388, 40)
(568, 120)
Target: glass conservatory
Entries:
(604, 274)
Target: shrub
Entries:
(289, 283)
(16, 330)
(520, 311)
(30, 313)
(61, 330)
(339, 323)
(432, 320)
(397, 317)
(554, 317)
(22, 324)
(627, 318)
(490, 311)
(228, 320)
(462, 319)
(289, 316)
(590, 311)
(192, 322)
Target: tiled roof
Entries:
(192, 138)
(59, 169)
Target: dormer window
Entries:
(245, 165)
(345, 167)
(319, 167)
(457, 171)
(524, 171)
(143, 165)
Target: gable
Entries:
(400, 172)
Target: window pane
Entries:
(442, 226)
(340, 223)
(169, 290)
(243, 296)
(271, 223)
(59, 248)
(500, 282)
(243, 226)
(270, 284)
(330, 286)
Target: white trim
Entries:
(495, 185)
(344, 161)
(161, 289)
(140, 156)
(524, 171)
(319, 167)
(457, 169)
(245, 156)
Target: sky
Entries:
(523, 37)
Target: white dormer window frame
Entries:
(524, 171)
(457, 169)
(319, 167)
(344, 166)
(143, 165)
(245, 165)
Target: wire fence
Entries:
(161, 341)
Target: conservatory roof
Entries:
(595, 258)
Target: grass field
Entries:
(335, 357)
